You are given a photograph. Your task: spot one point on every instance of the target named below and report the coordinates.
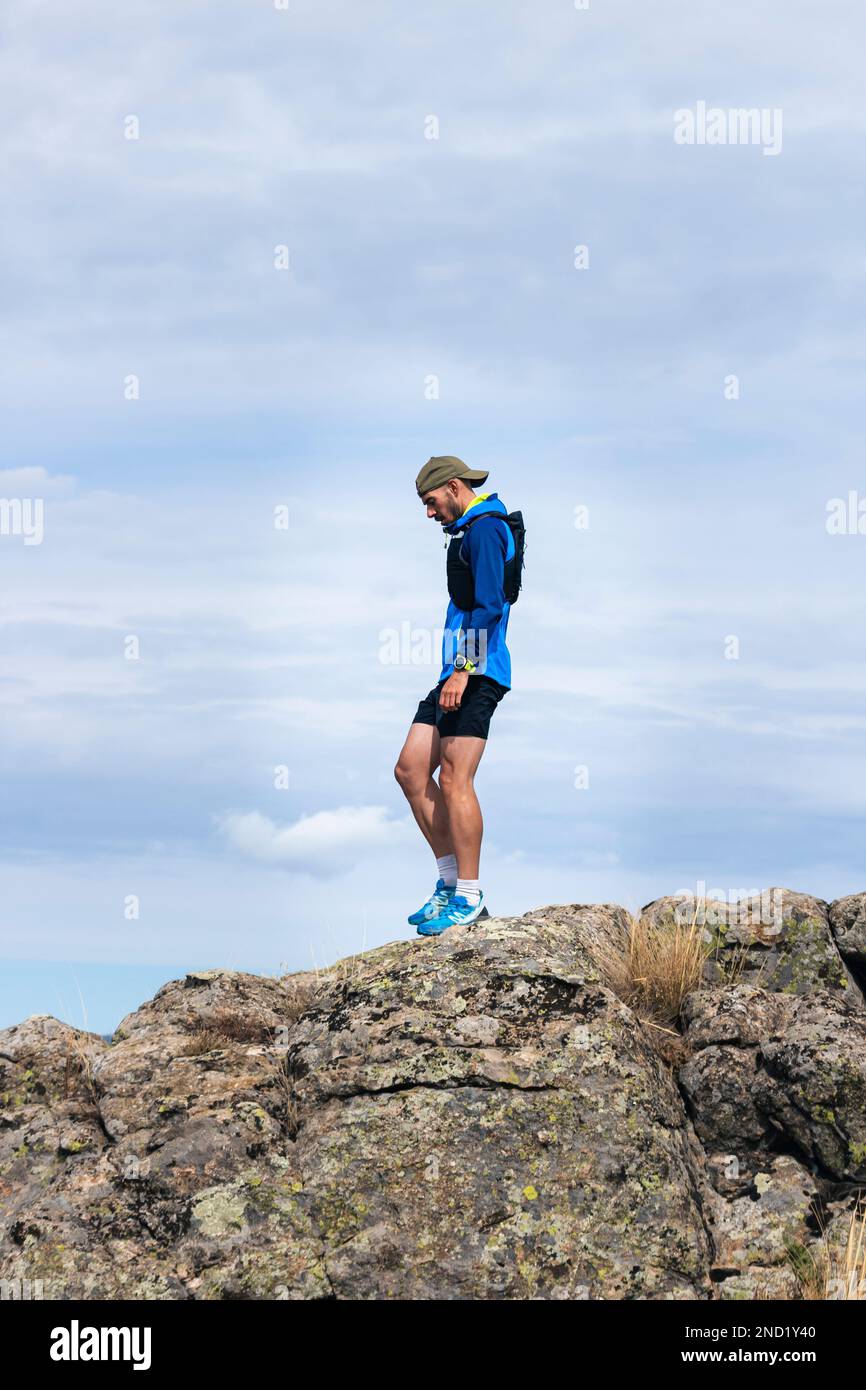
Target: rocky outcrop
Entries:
(778, 940)
(475, 1116)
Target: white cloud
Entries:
(34, 482)
(325, 844)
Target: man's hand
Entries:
(452, 691)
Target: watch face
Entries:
(459, 663)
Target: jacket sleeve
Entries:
(487, 546)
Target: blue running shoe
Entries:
(456, 913)
(439, 899)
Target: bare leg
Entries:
(418, 760)
(460, 756)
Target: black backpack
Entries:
(461, 587)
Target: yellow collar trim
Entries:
(482, 497)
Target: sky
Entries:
(258, 264)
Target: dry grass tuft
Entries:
(78, 1079)
(345, 972)
(299, 998)
(235, 1026)
(732, 966)
(203, 1040)
(225, 1025)
(829, 1273)
(288, 1110)
(653, 971)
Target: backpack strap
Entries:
(498, 516)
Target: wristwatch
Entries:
(462, 663)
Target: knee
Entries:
(407, 776)
(450, 782)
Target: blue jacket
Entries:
(487, 548)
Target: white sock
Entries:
(447, 867)
(468, 888)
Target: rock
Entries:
(475, 1116)
(772, 1067)
(756, 1235)
(48, 1107)
(848, 925)
(753, 1233)
(778, 940)
(431, 1079)
(774, 1282)
(602, 927)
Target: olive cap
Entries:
(441, 469)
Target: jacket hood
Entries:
(491, 503)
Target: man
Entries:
(450, 728)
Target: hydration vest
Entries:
(461, 586)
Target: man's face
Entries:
(442, 505)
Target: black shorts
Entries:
(480, 698)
